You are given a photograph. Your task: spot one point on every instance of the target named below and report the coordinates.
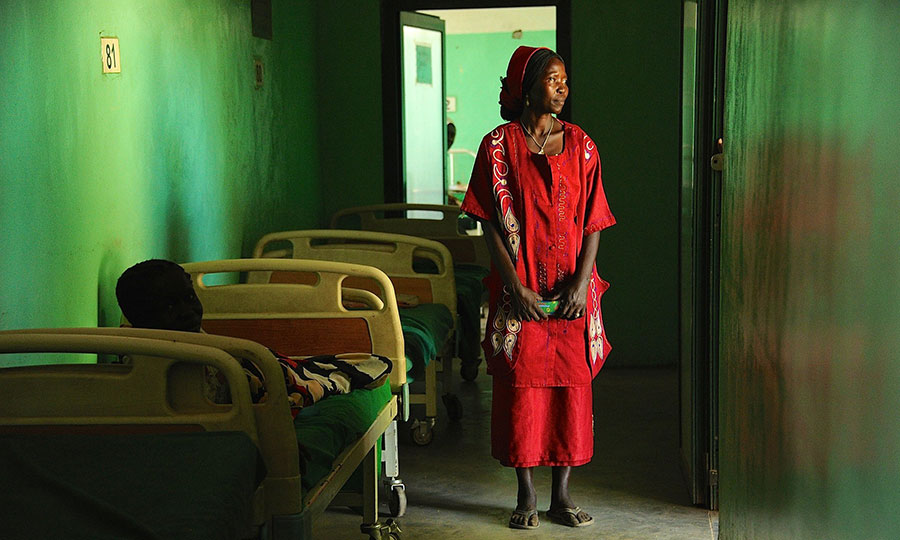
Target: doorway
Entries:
(395, 184)
(479, 43)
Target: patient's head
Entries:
(159, 294)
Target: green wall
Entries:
(179, 156)
(625, 83)
(348, 101)
(474, 65)
(810, 333)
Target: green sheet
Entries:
(332, 424)
(424, 329)
(159, 486)
(469, 293)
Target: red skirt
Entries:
(542, 426)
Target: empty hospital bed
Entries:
(462, 237)
(139, 417)
(427, 298)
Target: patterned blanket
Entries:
(308, 380)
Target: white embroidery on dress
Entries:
(505, 326)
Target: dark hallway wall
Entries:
(348, 86)
(810, 328)
(626, 83)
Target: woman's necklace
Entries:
(546, 137)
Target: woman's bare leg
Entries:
(559, 497)
(561, 500)
(526, 499)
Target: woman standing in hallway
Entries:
(536, 187)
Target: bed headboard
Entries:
(398, 256)
(92, 394)
(439, 222)
(320, 314)
(160, 389)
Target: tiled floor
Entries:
(633, 487)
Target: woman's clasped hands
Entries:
(572, 299)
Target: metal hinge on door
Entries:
(713, 477)
(717, 161)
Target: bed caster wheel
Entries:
(468, 370)
(423, 432)
(454, 406)
(397, 500)
(389, 530)
(393, 529)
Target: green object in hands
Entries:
(548, 306)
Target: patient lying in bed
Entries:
(159, 294)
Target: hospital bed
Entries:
(427, 298)
(448, 225)
(188, 468)
(309, 318)
(440, 222)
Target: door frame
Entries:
(702, 472)
(719, 35)
(391, 94)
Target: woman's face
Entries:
(550, 91)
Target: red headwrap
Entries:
(511, 92)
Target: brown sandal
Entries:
(526, 522)
(569, 516)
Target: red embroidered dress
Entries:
(543, 206)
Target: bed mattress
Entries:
(329, 426)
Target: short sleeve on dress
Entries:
(479, 199)
(597, 213)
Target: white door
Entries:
(423, 114)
